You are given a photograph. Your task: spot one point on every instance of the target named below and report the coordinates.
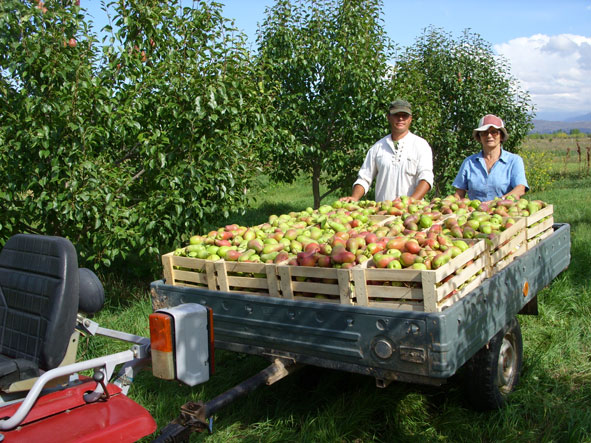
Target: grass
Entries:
(551, 403)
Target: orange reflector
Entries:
(525, 289)
(161, 337)
(161, 332)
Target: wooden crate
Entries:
(539, 226)
(417, 290)
(247, 278)
(507, 245)
(315, 284)
(188, 271)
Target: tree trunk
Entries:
(316, 185)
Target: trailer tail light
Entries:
(182, 343)
(162, 344)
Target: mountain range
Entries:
(581, 122)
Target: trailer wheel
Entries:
(493, 372)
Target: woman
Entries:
(493, 172)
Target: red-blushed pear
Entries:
(281, 257)
(412, 246)
(396, 243)
(444, 242)
(338, 241)
(224, 235)
(371, 237)
(325, 248)
(312, 247)
(441, 259)
(456, 232)
(249, 234)
(347, 265)
(324, 261)
(436, 229)
(232, 227)
(407, 259)
(382, 260)
(353, 244)
(355, 223)
(232, 255)
(269, 248)
(218, 242)
(306, 258)
(291, 234)
(340, 255)
(342, 234)
(256, 244)
(374, 248)
(293, 262)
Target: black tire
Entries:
(493, 372)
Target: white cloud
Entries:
(555, 70)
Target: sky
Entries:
(547, 43)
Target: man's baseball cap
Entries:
(399, 105)
(486, 122)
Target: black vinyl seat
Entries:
(39, 292)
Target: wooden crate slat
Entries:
(189, 270)
(542, 213)
(504, 250)
(541, 227)
(402, 275)
(258, 276)
(190, 276)
(448, 301)
(344, 284)
(358, 276)
(404, 306)
(333, 282)
(167, 268)
(395, 292)
(457, 280)
(539, 238)
(284, 273)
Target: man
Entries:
(401, 163)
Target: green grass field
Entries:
(551, 404)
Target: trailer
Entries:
(480, 332)
(46, 395)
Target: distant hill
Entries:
(548, 126)
(580, 118)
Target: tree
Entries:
(452, 84)
(128, 147)
(327, 62)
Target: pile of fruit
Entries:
(397, 234)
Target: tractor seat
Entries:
(39, 297)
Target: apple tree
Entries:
(327, 62)
(452, 83)
(129, 145)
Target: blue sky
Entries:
(547, 43)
